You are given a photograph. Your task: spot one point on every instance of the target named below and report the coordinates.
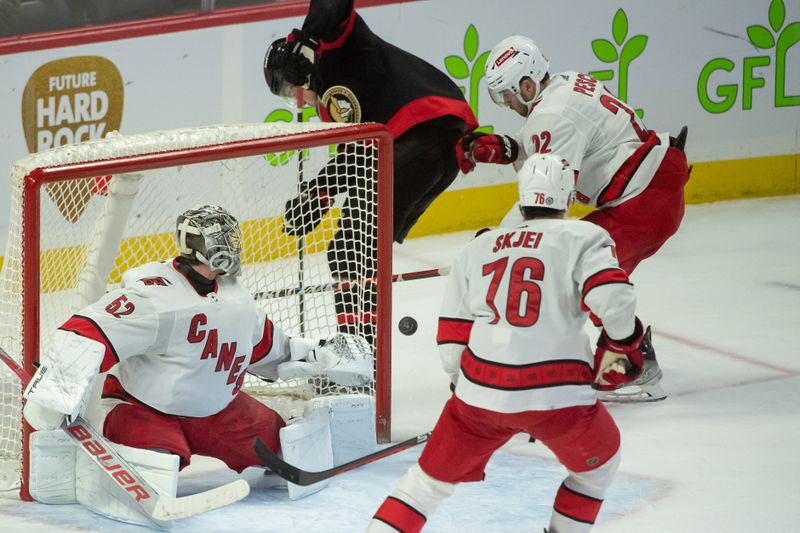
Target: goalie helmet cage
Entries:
(81, 215)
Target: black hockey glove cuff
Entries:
(299, 67)
(304, 212)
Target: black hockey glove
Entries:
(298, 68)
(304, 212)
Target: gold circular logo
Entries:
(342, 105)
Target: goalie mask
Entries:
(511, 60)
(210, 235)
(546, 180)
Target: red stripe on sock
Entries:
(400, 515)
(577, 506)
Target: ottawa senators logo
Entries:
(342, 105)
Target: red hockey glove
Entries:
(618, 362)
(487, 148)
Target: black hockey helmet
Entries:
(286, 66)
(210, 235)
(274, 61)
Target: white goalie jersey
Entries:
(175, 350)
(511, 329)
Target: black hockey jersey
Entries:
(362, 78)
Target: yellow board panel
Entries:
(459, 210)
(263, 240)
(710, 182)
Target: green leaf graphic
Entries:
(777, 14)
(471, 42)
(480, 63)
(760, 36)
(456, 67)
(620, 26)
(634, 47)
(602, 75)
(604, 50)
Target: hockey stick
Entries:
(304, 477)
(346, 285)
(159, 509)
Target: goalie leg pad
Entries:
(306, 444)
(98, 493)
(352, 424)
(52, 467)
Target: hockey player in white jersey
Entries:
(177, 339)
(511, 337)
(634, 176)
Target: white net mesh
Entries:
(93, 229)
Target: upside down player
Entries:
(528, 369)
(176, 340)
(634, 176)
(352, 75)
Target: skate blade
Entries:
(634, 394)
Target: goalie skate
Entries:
(647, 387)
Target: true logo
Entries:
(341, 105)
(68, 101)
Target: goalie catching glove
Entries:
(618, 362)
(345, 359)
(485, 148)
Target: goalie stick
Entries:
(159, 509)
(346, 285)
(304, 477)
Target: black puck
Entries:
(407, 325)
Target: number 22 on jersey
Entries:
(521, 307)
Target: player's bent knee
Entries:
(97, 492)
(422, 491)
(595, 482)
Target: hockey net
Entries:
(81, 215)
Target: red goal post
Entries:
(83, 214)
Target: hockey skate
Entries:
(646, 388)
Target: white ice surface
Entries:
(721, 454)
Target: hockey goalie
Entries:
(175, 342)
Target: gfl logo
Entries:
(781, 37)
